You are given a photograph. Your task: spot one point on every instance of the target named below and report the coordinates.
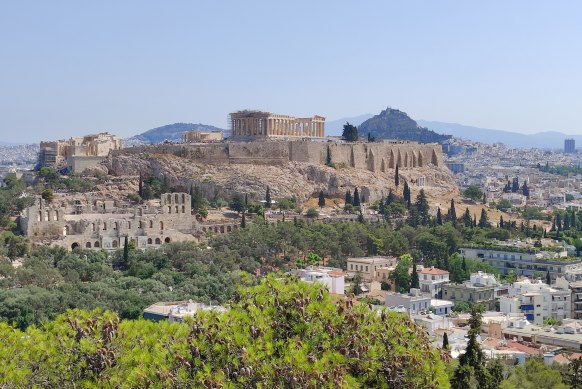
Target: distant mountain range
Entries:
(170, 132)
(335, 127)
(541, 140)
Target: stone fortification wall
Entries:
(376, 157)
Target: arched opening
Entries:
(228, 228)
(183, 209)
(104, 226)
(93, 227)
(222, 229)
(97, 244)
(419, 159)
(115, 244)
(175, 198)
(129, 225)
(434, 158)
(88, 245)
(158, 241)
(176, 209)
(151, 224)
(169, 209)
(74, 246)
(65, 230)
(149, 240)
(167, 240)
(115, 225)
(183, 198)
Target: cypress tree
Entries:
(268, 197)
(328, 157)
(390, 198)
(356, 198)
(349, 199)
(452, 214)
(423, 208)
(483, 222)
(467, 218)
(125, 250)
(406, 192)
(140, 185)
(321, 201)
(525, 189)
(439, 217)
(445, 341)
(414, 281)
(464, 267)
(501, 221)
(548, 278)
(243, 220)
(474, 221)
(396, 177)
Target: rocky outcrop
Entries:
(395, 124)
(300, 179)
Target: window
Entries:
(351, 266)
(366, 268)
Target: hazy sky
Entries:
(75, 67)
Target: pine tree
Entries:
(356, 198)
(396, 177)
(268, 197)
(414, 281)
(445, 341)
(483, 222)
(321, 201)
(472, 363)
(439, 217)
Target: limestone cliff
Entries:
(300, 179)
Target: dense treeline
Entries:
(52, 280)
(279, 334)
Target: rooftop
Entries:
(434, 271)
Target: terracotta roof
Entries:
(521, 347)
(433, 271)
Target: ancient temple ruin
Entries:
(258, 124)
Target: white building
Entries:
(537, 301)
(431, 281)
(441, 307)
(332, 278)
(413, 302)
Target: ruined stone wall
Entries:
(376, 156)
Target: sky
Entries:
(70, 67)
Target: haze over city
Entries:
(71, 68)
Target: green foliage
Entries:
(536, 374)
(401, 275)
(350, 133)
(281, 333)
(503, 205)
(237, 203)
(12, 201)
(312, 212)
(473, 192)
(285, 204)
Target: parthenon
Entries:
(257, 124)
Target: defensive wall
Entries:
(375, 156)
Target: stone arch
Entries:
(434, 158)
(161, 225)
(352, 157)
(158, 241)
(176, 198)
(151, 224)
(167, 240)
(371, 161)
(399, 159)
(114, 244)
(228, 228)
(88, 245)
(420, 163)
(176, 209)
(383, 166)
(222, 229)
(74, 245)
(149, 240)
(97, 244)
(413, 159)
(391, 160)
